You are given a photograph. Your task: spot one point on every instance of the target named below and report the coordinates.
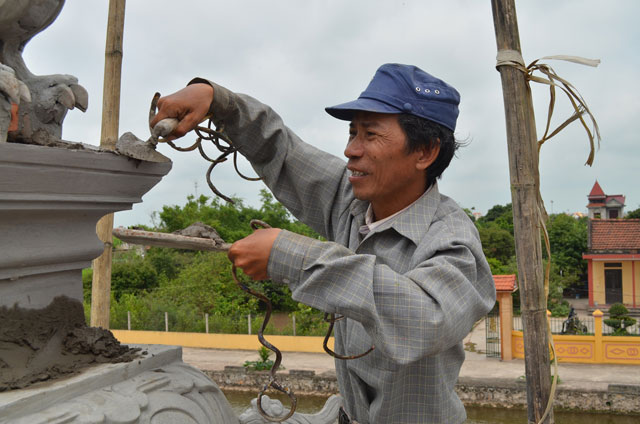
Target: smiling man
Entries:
(403, 264)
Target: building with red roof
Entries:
(613, 255)
(605, 206)
(505, 285)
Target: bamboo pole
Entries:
(101, 285)
(524, 176)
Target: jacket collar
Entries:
(413, 223)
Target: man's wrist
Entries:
(287, 257)
(221, 104)
(198, 80)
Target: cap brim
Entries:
(345, 111)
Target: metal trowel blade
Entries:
(131, 146)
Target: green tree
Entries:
(568, 240)
(207, 286)
(634, 214)
(131, 273)
(497, 242)
(502, 216)
(231, 221)
(168, 262)
(272, 211)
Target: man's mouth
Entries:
(358, 173)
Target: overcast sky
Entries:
(300, 56)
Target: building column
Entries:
(505, 305)
(590, 279)
(597, 322)
(633, 282)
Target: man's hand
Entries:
(189, 106)
(251, 254)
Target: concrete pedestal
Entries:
(50, 202)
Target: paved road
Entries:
(477, 365)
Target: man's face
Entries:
(382, 171)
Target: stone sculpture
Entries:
(40, 114)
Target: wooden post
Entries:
(166, 322)
(523, 170)
(206, 323)
(129, 320)
(101, 285)
(249, 324)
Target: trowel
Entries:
(131, 146)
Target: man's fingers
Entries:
(251, 254)
(189, 106)
(188, 123)
(165, 110)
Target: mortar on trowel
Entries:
(131, 146)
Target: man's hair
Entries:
(422, 132)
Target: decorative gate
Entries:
(492, 329)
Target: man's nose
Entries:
(354, 148)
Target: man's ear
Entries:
(426, 155)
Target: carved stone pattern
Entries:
(327, 415)
(175, 393)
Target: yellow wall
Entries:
(586, 350)
(222, 341)
(595, 348)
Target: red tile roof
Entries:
(617, 197)
(505, 282)
(615, 234)
(596, 191)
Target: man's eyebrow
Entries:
(365, 124)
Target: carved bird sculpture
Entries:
(51, 96)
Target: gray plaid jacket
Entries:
(413, 287)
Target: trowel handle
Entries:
(164, 127)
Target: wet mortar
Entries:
(44, 344)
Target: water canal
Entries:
(312, 404)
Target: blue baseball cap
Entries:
(408, 89)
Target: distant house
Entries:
(602, 206)
(613, 257)
(499, 326)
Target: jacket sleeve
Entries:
(407, 315)
(310, 183)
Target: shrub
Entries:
(264, 363)
(619, 319)
(559, 309)
(310, 321)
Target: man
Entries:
(403, 264)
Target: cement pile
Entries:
(44, 344)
